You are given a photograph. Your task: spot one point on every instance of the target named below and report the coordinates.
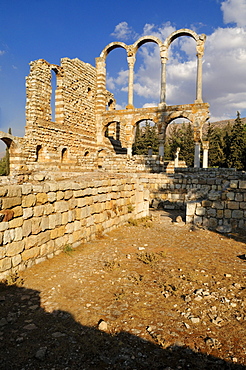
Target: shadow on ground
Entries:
(31, 338)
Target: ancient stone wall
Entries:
(39, 219)
(212, 198)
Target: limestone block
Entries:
(11, 202)
(220, 213)
(214, 195)
(233, 184)
(237, 214)
(16, 222)
(64, 217)
(242, 205)
(36, 228)
(30, 253)
(72, 203)
(8, 236)
(18, 234)
(42, 198)
(218, 205)
(52, 221)
(211, 212)
(27, 213)
(5, 264)
(29, 200)
(51, 196)
(44, 223)
(68, 194)
(7, 215)
(48, 209)
(200, 211)
(77, 225)
(71, 215)
(69, 228)
(53, 186)
(27, 227)
(212, 223)
(190, 208)
(230, 195)
(14, 191)
(3, 191)
(38, 211)
(233, 205)
(227, 213)
(61, 206)
(60, 195)
(2, 252)
(239, 197)
(14, 248)
(90, 221)
(18, 211)
(26, 189)
(57, 232)
(242, 184)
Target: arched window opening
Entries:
(180, 134)
(181, 72)
(146, 138)
(147, 76)
(39, 151)
(64, 155)
(117, 76)
(89, 93)
(4, 157)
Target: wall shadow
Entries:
(31, 338)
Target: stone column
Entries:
(129, 151)
(131, 61)
(161, 149)
(197, 138)
(164, 58)
(197, 155)
(101, 84)
(176, 158)
(205, 147)
(200, 52)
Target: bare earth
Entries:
(168, 298)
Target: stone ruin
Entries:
(88, 132)
(75, 178)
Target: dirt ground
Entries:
(156, 295)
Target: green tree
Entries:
(146, 137)
(236, 142)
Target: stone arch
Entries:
(182, 32)
(145, 39)
(112, 46)
(175, 115)
(10, 140)
(145, 117)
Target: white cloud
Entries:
(224, 71)
(234, 11)
(123, 32)
(2, 52)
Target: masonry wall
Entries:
(72, 136)
(212, 198)
(37, 220)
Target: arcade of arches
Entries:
(87, 132)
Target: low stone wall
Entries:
(39, 219)
(212, 198)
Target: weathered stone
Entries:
(30, 253)
(14, 248)
(5, 264)
(42, 198)
(28, 201)
(11, 202)
(27, 227)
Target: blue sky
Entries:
(52, 29)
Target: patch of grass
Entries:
(111, 265)
(150, 258)
(144, 221)
(13, 279)
(130, 208)
(68, 249)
